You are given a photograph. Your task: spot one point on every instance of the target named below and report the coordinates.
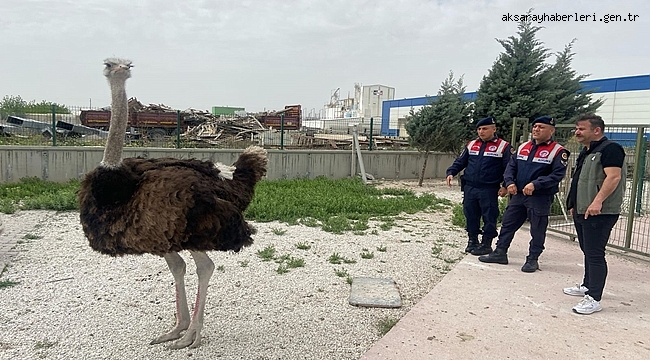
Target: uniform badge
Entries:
(565, 156)
(564, 162)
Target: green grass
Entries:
(44, 344)
(32, 237)
(267, 254)
(278, 231)
(458, 218)
(335, 258)
(282, 269)
(381, 248)
(287, 262)
(367, 254)
(341, 272)
(338, 206)
(303, 246)
(384, 325)
(295, 262)
(310, 222)
(36, 194)
(6, 283)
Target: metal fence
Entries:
(632, 232)
(228, 132)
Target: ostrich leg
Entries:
(204, 269)
(177, 267)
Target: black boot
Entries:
(530, 266)
(484, 248)
(472, 243)
(498, 256)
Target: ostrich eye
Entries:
(107, 65)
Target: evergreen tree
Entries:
(444, 124)
(569, 100)
(518, 84)
(521, 84)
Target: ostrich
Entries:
(163, 206)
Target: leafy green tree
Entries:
(12, 105)
(45, 107)
(444, 124)
(15, 105)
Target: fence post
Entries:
(513, 135)
(636, 175)
(370, 136)
(639, 192)
(178, 129)
(281, 131)
(53, 125)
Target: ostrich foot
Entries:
(174, 334)
(192, 338)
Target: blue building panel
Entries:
(632, 83)
(620, 84)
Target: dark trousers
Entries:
(593, 234)
(536, 208)
(477, 203)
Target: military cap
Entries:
(485, 121)
(544, 120)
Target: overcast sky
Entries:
(269, 53)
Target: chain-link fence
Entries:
(83, 126)
(632, 232)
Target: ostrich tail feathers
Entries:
(251, 164)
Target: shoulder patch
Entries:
(565, 156)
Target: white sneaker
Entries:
(578, 290)
(587, 306)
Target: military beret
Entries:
(485, 121)
(544, 120)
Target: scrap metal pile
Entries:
(202, 126)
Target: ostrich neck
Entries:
(117, 129)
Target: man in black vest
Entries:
(594, 201)
(484, 160)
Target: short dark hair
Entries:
(594, 120)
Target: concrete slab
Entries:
(374, 292)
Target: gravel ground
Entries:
(74, 303)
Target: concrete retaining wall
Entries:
(63, 163)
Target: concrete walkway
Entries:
(491, 311)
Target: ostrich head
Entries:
(118, 69)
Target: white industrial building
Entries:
(339, 113)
